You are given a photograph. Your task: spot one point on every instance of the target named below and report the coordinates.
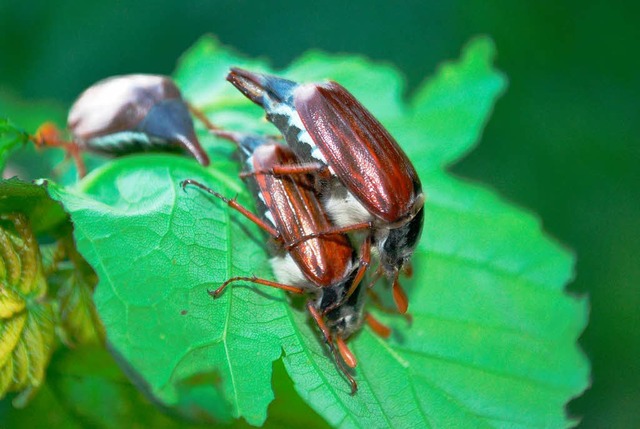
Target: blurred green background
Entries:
(563, 141)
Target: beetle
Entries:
(323, 268)
(366, 180)
(124, 114)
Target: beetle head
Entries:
(401, 242)
(169, 121)
(262, 89)
(347, 319)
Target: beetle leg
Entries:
(365, 260)
(327, 338)
(375, 299)
(330, 231)
(48, 135)
(323, 327)
(347, 355)
(293, 289)
(376, 326)
(73, 150)
(374, 279)
(199, 114)
(234, 205)
(290, 170)
(407, 270)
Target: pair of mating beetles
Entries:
(341, 173)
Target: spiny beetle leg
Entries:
(327, 338)
(234, 205)
(331, 231)
(264, 282)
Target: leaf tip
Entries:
(482, 49)
(481, 44)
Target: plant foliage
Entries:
(493, 338)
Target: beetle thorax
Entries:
(288, 121)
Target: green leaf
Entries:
(450, 110)
(17, 196)
(134, 215)
(10, 138)
(201, 77)
(74, 282)
(493, 342)
(85, 388)
(27, 161)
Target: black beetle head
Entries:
(400, 244)
(347, 318)
(168, 121)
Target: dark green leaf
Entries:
(74, 281)
(33, 201)
(85, 388)
(10, 138)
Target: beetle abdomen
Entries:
(361, 152)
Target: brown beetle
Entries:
(366, 180)
(324, 268)
(124, 114)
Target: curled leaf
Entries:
(26, 318)
(75, 282)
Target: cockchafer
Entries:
(323, 268)
(125, 114)
(365, 179)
